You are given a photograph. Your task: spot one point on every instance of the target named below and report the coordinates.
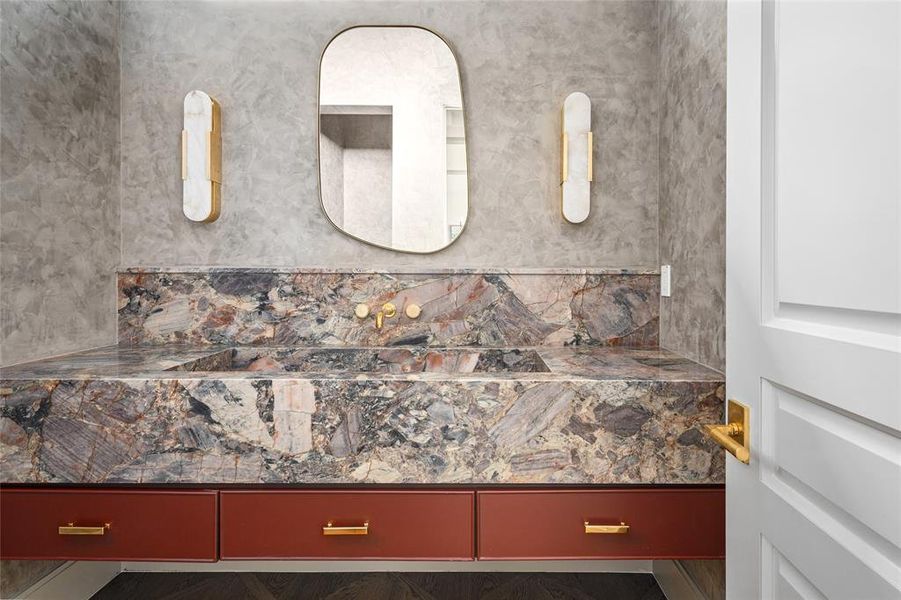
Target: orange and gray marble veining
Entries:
(459, 308)
(581, 415)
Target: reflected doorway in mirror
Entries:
(392, 144)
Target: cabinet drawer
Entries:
(539, 524)
(108, 525)
(379, 524)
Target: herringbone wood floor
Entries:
(382, 586)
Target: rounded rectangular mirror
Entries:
(392, 149)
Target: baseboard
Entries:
(675, 581)
(73, 581)
(363, 566)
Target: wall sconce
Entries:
(576, 168)
(201, 158)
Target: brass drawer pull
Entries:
(621, 528)
(353, 530)
(72, 529)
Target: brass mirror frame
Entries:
(319, 136)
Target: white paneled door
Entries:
(814, 298)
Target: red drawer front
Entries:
(143, 525)
(551, 524)
(401, 524)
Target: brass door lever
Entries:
(734, 436)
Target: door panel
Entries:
(842, 460)
(824, 550)
(836, 120)
(851, 376)
(814, 298)
(783, 579)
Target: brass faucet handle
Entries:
(361, 311)
(390, 310)
(413, 311)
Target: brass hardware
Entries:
(214, 156)
(590, 156)
(361, 311)
(330, 529)
(564, 161)
(72, 529)
(735, 435)
(214, 160)
(389, 311)
(621, 528)
(413, 311)
(184, 154)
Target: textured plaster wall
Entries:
(59, 179)
(59, 176)
(518, 59)
(693, 177)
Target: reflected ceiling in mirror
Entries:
(392, 149)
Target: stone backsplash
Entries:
(459, 307)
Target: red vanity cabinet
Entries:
(371, 524)
(103, 524)
(359, 524)
(615, 523)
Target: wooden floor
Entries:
(378, 586)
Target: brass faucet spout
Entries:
(379, 319)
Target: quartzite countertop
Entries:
(257, 415)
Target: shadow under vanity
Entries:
(249, 414)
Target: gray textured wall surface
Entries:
(693, 177)
(59, 179)
(518, 60)
(59, 176)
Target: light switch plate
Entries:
(666, 274)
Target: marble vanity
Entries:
(266, 379)
(583, 397)
(581, 415)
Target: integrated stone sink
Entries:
(372, 360)
(381, 415)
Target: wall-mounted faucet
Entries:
(388, 311)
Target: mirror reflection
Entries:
(392, 149)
